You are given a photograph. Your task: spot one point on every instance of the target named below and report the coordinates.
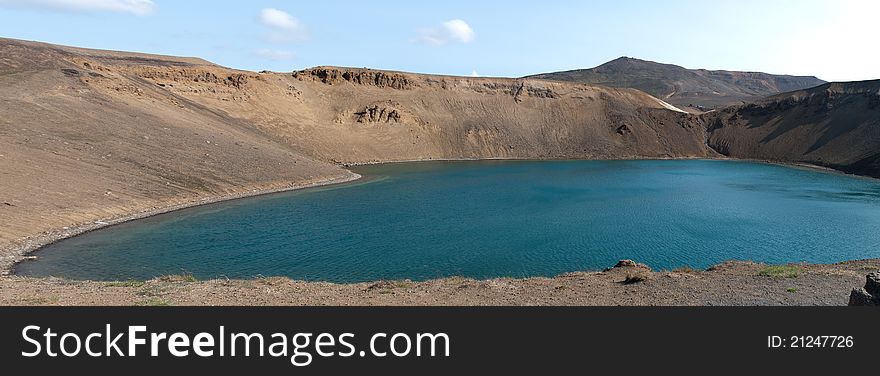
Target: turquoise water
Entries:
(495, 218)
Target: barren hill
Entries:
(88, 135)
(835, 125)
(82, 141)
(685, 87)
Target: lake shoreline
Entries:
(798, 165)
(24, 249)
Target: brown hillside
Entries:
(80, 142)
(835, 125)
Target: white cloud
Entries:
(459, 30)
(475, 74)
(284, 27)
(450, 31)
(275, 54)
(279, 19)
(136, 7)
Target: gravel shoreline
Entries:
(21, 249)
(733, 283)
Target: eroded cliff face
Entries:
(331, 75)
(835, 125)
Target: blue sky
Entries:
(834, 40)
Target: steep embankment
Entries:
(685, 87)
(835, 125)
(87, 135)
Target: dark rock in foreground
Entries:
(869, 295)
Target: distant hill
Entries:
(684, 87)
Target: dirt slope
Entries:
(686, 87)
(80, 142)
(835, 125)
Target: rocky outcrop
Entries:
(236, 80)
(378, 114)
(368, 77)
(193, 75)
(869, 295)
(532, 91)
(625, 264)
